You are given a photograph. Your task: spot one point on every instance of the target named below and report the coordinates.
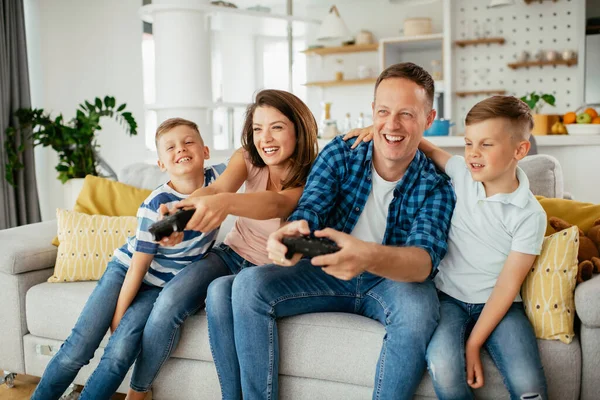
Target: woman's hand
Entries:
(364, 135)
(211, 211)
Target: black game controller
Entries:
(171, 223)
(308, 246)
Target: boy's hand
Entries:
(210, 212)
(474, 367)
(364, 135)
(176, 237)
(276, 249)
(349, 261)
(115, 322)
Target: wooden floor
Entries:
(25, 385)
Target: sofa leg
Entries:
(9, 379)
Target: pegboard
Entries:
(534, 27)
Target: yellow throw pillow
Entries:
(107, 197)
(548, 290)
(574, 212)
(87, 243)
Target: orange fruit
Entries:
(592, 113)
(596, 120)
(569, 118)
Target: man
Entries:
(389, 211)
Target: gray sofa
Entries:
(323, 356)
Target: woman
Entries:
(279, 145)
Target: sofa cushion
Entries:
(87, 243)
(545, 175)
(574, 212)
(549, 286)
(106, 197)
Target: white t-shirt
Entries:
(372, 222)
(483, 231)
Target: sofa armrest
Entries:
(27, 248)
(587, 302)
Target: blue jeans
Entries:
(409, 312)
(182, 296)
(512, 346)
(220, 323)
(148, 331)
(79, 348)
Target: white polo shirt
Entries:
(483, 231)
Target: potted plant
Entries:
(542, 123)
(74, 141)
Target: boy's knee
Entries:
(444, 372)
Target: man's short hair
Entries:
(171, 123)
(411, 72)
(508, 107)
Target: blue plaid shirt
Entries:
(339, 184)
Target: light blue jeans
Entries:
(261, 295)
(512, 346)
(220, 322)
(149, 328)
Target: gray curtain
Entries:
(18, 205)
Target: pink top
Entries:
(248, 237)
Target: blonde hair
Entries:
(171, 123)
(515, 111)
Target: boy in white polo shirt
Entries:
(496, 232)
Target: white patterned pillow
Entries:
(87, 243)
(548, 290)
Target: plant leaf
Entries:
(548, 98)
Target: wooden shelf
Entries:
(356, 48)
(541, 63)
(345, 82)
(480, 92)
(475, 42)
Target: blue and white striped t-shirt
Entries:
(167, 261)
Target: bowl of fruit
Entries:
(583, 121)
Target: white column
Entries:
(183, 68)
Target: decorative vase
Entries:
(71, 190)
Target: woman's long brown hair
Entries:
(305, 126)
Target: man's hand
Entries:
(347, 263)
(176, 237)
(210, 212)
(364, 135)
(276, 249)
(474, 367)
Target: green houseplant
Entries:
(73, 140)
(542, 123)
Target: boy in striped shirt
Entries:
(135, 296)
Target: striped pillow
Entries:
(87, 243)
(548, 290)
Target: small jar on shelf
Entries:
(339, 69)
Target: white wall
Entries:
(80, 49)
